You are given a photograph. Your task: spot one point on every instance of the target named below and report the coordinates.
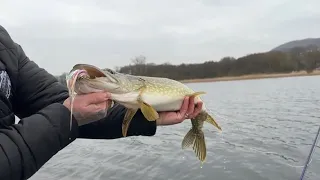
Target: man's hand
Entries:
(88, 108)
(188, 110)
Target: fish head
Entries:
(92, 79)
(92, 72)
(126, 81)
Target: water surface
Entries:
(268, 128)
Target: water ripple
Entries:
(268, 130)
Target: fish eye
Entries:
(111, 71)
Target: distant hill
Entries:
(309, 42)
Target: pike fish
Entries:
(149, 94)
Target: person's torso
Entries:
(7, 117)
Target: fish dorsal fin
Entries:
(92, 71)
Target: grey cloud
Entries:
(57, 34)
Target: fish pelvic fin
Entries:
(209, 119)
(195, 139)
(127, 120)
(149, 112)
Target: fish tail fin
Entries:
(195, 139)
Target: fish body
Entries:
(161, 93)
(149, 94)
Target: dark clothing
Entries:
(36, 97)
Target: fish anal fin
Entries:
(195, 94)
(126, 120)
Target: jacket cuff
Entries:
(66, 135)
(141, 126)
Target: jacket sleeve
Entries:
(35, 87)
(111, 126)
(43, 129)
(26, 146)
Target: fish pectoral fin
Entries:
(126, 120)
(148, 111)
(195, 139)
(196, 93)
(210, 120)
(110, 104)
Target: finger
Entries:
(190, 106)
(93, 112)
(184, 108)
(101, 106)
(93, 108)
(96, 98)
(197, 109)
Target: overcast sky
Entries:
(57, 34)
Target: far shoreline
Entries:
(253, 76)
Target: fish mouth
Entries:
(91, 72)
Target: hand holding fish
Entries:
(163, 100)
(88, 108)
(188, 110)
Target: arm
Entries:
(35, 87)
(26, 146)
(43, 129)
(111, 126)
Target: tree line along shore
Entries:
(297, 61)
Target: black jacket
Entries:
(36, 97)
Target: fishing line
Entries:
(310, 155)
(73, 77)
(223, 117)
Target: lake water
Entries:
(268, 128)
